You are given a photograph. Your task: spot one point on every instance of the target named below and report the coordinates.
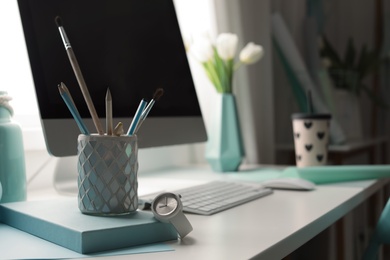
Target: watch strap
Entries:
(181, 224)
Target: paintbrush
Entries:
(137, 117)
(156, 96)
(79, 75)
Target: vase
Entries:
(224, 149)
(12, 163)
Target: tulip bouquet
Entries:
(218, 59)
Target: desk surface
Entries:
(268, 228)
(271, 227)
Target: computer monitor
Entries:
(131, 47)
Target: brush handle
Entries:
(137, 117)
(84, 90)
(145, 114)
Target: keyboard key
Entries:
(216, 196)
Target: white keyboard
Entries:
(216, 196)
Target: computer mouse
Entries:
(289, 184)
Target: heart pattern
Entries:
(311, 139)
(320, 135)
(308, 124)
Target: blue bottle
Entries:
(12, 164)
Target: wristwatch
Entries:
(167, 207)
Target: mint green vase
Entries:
(12, 164)
(224, 149)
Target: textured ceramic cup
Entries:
(311, 139)
(107, 180)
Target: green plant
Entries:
(350, 72)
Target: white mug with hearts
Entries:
(311, 139)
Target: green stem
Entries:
(213, 75)
(229, 72)
(221, 71)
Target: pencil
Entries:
(108, 113)
(136, 118)
(79, 76)
(65, 94)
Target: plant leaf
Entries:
(350, 54)
(229, 73)
(361, 65)
(213, 75)
(330, 52)
(219, 68)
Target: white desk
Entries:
(268, 228)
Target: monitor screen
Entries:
(132, 47)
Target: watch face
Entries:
(166, 205)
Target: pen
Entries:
(136, 118)
(79, 75)
(109, 112)
(65, 94)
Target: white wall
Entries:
(197, 18)
(15, 76)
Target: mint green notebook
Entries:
(333, 173)
(61, 222)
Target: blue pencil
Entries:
(65, 94)
(136, 118)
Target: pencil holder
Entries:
(107, 180)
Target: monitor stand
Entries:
(65, 175)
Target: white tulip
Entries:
(251, 53)
(202, 50)
(226, 45)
